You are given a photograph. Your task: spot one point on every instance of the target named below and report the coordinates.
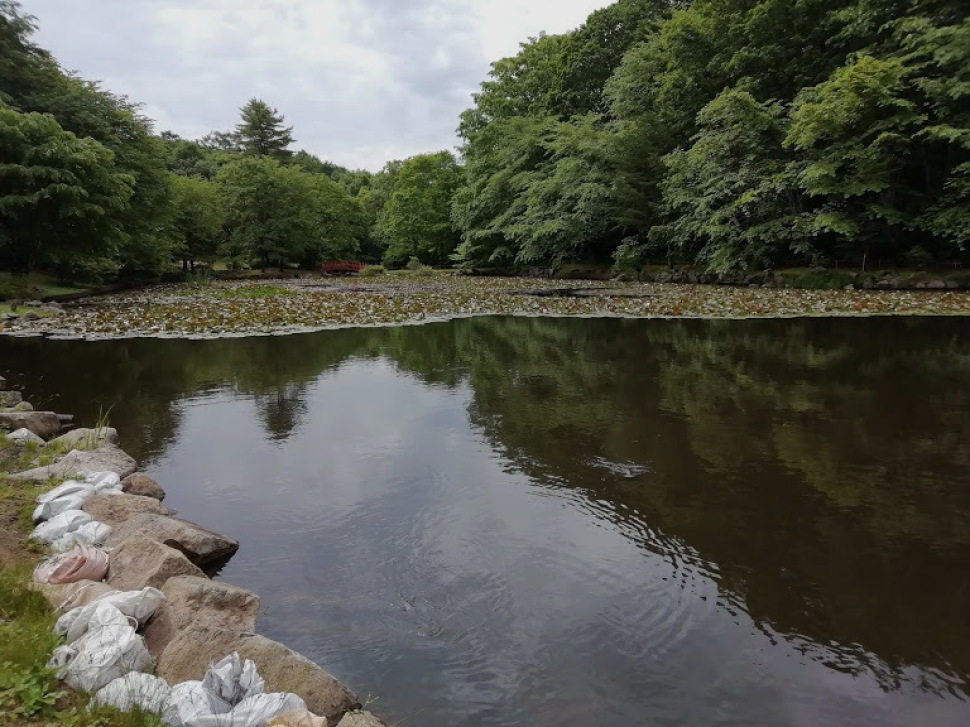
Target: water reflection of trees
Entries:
(820, 465)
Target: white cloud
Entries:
(362, 81)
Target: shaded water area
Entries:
(549, 522)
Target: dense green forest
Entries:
(731, 134)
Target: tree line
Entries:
(89, 191)
(731, 134)
(727, 133)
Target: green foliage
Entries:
(416, 221)
(730, 133)
(261, 131)
(197, 221)
(731, 196)
(280, 214)
(60, 196)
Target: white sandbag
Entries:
(233, 679)
(61, 525)
(92, 533)
(103, 481)
(148, 693)
(192, 705)
(53, 508)
(109, 650)
(82, 563)
(256, 711)
(136, 605)
(71, 487)
(230, 695)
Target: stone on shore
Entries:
(199, 545)
(194, 601)
(115, 509)
(301, 718)
(360, 719)
(44, 424)
(107, 458)
(24, 436)
(65, 596)
(191, 651)
(139, 562)
(88, 438)
(141, 484)
(10, 399)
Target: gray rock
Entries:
(107, 458)
(199, 545)
(88, 438)
(141, 484)
(139, 562)
(44, 424)
(936, 284)
(193, 601)
(10, 398)
(115, 509)
(360, 719)
(189, 654)
(23, 436)
(9, 317)
(26, 406)
(31, 316)
(3, 384)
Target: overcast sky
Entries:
(362, 81)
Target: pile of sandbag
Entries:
(102, 641)
(62, 523)
(231, 694)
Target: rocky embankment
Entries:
(199, 622)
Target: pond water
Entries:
(562, 522)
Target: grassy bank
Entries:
(30, 693)
(33, 286)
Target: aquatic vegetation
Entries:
(284, 306)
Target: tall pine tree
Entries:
(261, 131)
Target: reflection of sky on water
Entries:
(498, 522)
(391, 543)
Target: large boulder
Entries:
(201, 546)
(107, 458)
(24, 436)
(114, 509)
(10, 398)
(139, 562)
(44, 424)
(194, 601)
(66, 596)
(360, 719)
(189, 654)
(142, 484)
(88, 438)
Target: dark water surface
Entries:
(557, 523)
